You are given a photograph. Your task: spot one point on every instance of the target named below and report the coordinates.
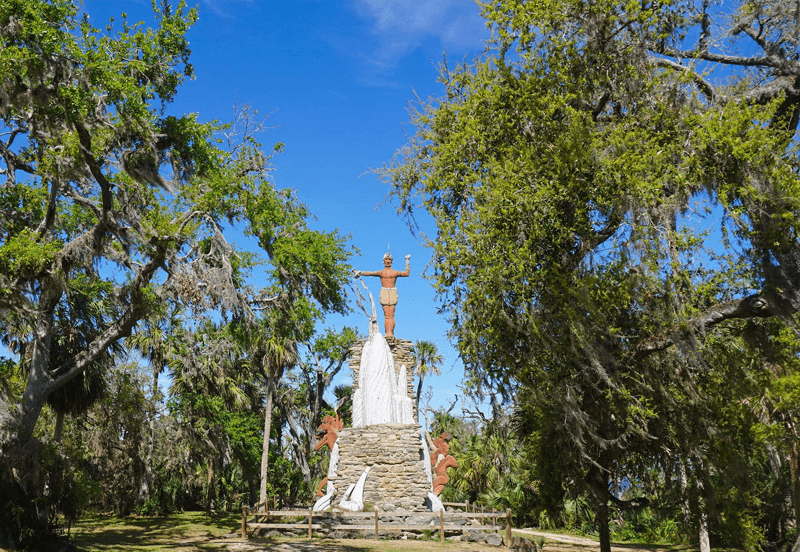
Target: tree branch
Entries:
(704, 86)
(85, 140)
(753, 306)
(119, 329)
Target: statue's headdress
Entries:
(387, 255)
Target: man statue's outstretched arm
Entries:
(407, 271)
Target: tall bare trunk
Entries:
(300, 446)
(147, 481)
(416, 399)
(262, 497)
(602, 526)
(211, 492)
(794, 470)
(684, 483)
(599, 486)
(59, 430)
(705, 542)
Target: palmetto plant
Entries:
(490, 470)
(79, 319)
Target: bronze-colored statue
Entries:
(331, 426)
(441, 460)
(388, 296)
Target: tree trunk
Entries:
(705, 542)
(40, 384)
(794, 471)
(684, 483)
(262, 497)
(59, 430)
(703, 537)
(316, 419)
(211, 492)
(599, 485)
(416, 399)
(602, 525)
(147, 482)
(302, 453)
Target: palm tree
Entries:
(272, 355)
(426, 360)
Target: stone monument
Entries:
(383, 459)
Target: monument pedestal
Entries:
(382, 459)
(397, 468)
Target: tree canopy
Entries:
(114, 209)
(616, 195)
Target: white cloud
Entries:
(402, 25)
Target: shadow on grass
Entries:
(120, 533)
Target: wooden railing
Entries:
(262, 520)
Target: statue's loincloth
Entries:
(388, 296)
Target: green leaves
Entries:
(605, 209)
(24, 256)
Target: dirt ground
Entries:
(553, 543)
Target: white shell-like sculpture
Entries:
(426, 459)
(353, 499)
(435, 503)
(402, 403)
(334, 462)
(380, 397)
(324, 502)
(358, 407)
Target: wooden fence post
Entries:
(508, 527)
(483, 517)
(467, 506)
(310, 519)
(441, 525)
(244, 522)
(376, 524)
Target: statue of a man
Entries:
(388, 297)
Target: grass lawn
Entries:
(181, 532)
(197, 531)
(200, 532)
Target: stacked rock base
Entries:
(394, 454)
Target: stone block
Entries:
(474, 536)
(493, 539)
(421, 520)
(397, 475)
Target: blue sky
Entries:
(336, 78)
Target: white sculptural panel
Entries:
(381, 397)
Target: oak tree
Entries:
(612, 182)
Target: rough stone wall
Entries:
(397, 474)
(401, 353)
